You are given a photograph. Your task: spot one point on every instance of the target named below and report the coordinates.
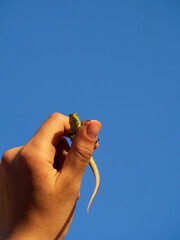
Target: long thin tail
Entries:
(97, 181)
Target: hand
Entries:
(40, 181)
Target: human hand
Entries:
(40, 181)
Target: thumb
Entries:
(82, 148)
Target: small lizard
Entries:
(75, 123)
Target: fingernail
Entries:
(92, 129)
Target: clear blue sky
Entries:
(115, 61)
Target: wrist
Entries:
(28, 233)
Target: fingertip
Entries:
(96, 145)
(93, 129)
(78, 197)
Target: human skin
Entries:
(40, 181)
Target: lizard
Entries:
(75, 124)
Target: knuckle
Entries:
(26, 152)
(10, 154)
(6, 157)
(55, 115)
(26, 156)
(31, 149)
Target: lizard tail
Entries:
(97, 181)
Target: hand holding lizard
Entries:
(40, 182)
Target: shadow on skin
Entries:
(68, 221)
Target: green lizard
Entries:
(75, 123)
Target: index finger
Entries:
(51, 131)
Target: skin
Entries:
(75, 124)
(40, 181)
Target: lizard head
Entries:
(74, 120)
(73, 114)
(73, 117)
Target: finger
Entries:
(9, 155)
(52, 129)
(47, 137)
(96, 145)
(61, 153)
(78, 197)
(81, 150)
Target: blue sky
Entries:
(114, 61)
